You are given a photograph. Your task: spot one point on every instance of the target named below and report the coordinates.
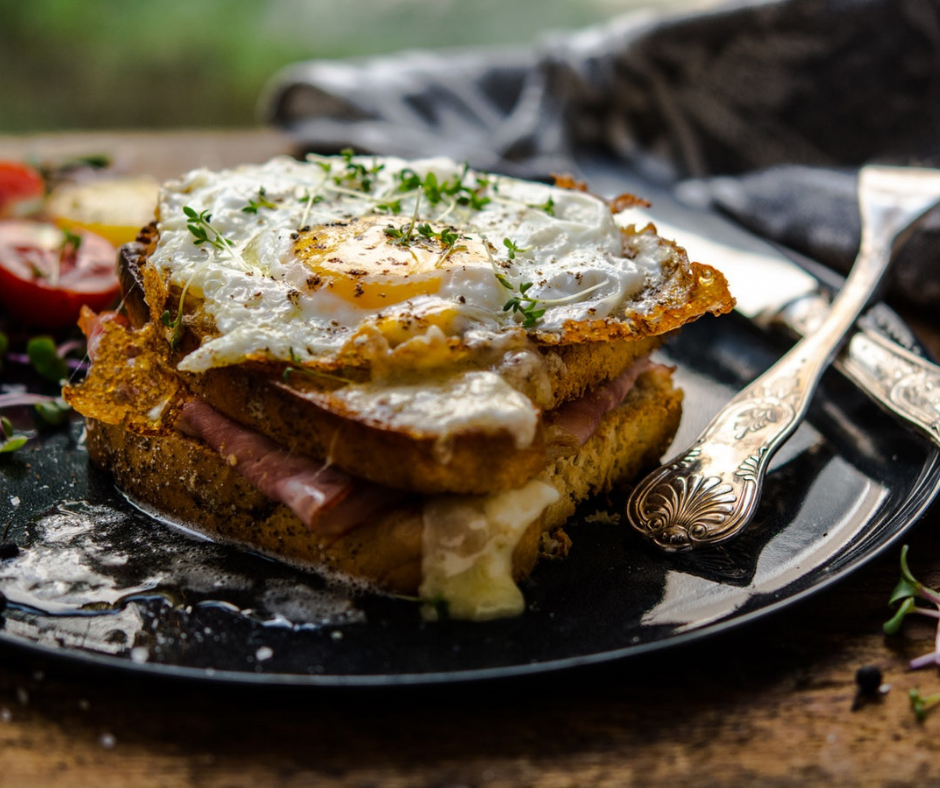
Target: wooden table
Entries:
(768, 704)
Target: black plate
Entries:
(97, 582)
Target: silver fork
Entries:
(709, 494)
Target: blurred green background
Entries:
(92, 64)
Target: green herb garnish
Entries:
(203, 232)
(920, 705)
(70, 244)
(54, 412)
(513, 248)
(177, 325)
(435, 191)
(356, 175)
(402, 236)
(437, 608)
(525, 305)
(392, 206)
(302, 370)
(531, 307)
(548, 206)
(908, 592)
(407, 234)
(10, 440)
(914, 598)
(261, 202)
(45, 359)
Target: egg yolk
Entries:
(372, 262)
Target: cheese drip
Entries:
(468, 543)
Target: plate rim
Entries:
(887, 529)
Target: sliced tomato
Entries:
(20, 185)
(46, 274)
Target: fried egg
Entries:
(300, 261)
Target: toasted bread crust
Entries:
(301, 415)
(471, 462)
(187, 481)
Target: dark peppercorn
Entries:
(868, 679)
(8, 550)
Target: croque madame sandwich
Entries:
(410, 373)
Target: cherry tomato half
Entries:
(46, 274)
(19, 183)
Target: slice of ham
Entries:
(329, 501)
(573, 423)
(326, 499)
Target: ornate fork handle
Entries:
(710, 493)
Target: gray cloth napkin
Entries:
(762, 110)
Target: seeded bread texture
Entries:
(186, 481)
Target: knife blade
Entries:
(773, 290)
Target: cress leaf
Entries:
(904, 590)
(12, 444)
(905, 569)
(920, 704)
(893, 625)
(54, 413)
(44, 357)
(919, 589)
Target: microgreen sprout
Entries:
(908, 592)
(356, 175)
(70, 243)
(920, 704)
(914, 598)
(10, 441)
(53, 412)
(177, 324)
(548, 206)
(437, 608)
(392, 206)
(302, 370)
(531, 307)
(454, 188)
(407, 234)
(308, 201)
(525, 305)
(198, 225)
(261, 202)
(45, 359)
(513, 248)
(402, 236)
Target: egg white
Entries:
(258, 292)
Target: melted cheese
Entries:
(468, 542)
(473, 401)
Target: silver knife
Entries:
(711, 491)
(901, 381)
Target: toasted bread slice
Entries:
(309, 414)
(186, 481)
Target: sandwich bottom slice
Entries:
(466, 551)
